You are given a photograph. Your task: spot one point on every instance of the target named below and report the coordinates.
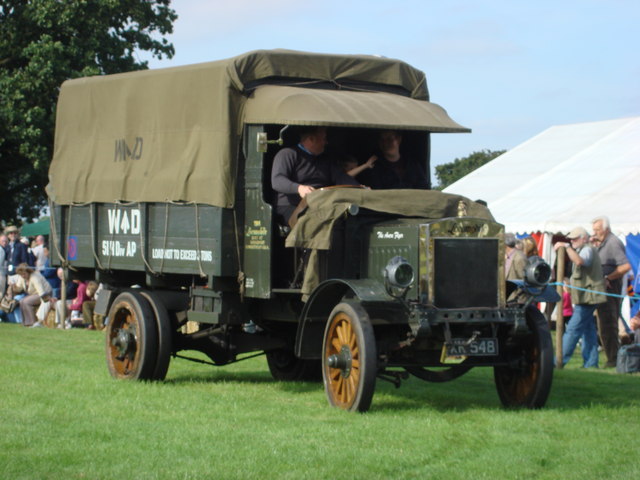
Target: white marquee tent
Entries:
(564, 177)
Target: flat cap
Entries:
(577, 233)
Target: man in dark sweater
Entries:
(300, 170)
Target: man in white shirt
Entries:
(38, 252)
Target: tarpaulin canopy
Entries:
(564, 177)
(173, 134)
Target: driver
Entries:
(298, 171)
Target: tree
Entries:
(448, 173)
(43, 43)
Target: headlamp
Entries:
(537, 272)
(398, 273)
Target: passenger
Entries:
(392, 170)
(350, 165)
(298, 171)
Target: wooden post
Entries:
(63, 297)
(560, 259)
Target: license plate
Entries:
(480, 347)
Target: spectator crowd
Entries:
(31, 289)
(592, 290)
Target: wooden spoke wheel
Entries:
(131, 338)
(527, 381)
(349, 359)
(286, 367)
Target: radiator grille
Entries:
(465, 272)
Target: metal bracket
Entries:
(263, 143)
(393, 377)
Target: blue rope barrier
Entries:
(560, 284)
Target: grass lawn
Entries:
(63, 416)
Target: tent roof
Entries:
(564, 177)
(41, 227)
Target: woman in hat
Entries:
(17, 251)
(37, 289)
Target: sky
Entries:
(507, 69)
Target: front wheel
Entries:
(349, 360)
(286, 367)
(527, 381)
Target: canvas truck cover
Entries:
(325, 207)
(173, 134)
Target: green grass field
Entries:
(63, 416)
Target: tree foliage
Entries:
(448, 173)
(42, 44)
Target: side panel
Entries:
(157, 237)
(387, 241)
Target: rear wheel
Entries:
(285, 366)
(165, 334)
(527, 381)
(349, 360)
(131, 338)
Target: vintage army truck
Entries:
(160, 190)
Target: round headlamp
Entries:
(399, 272)
(537, 272)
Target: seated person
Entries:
(16, 291)
(72, 316)
(350, 165)
(56, 284)
(51, 275)
(392, 170)
(37, 290)
(298, 171)
(80, 316)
